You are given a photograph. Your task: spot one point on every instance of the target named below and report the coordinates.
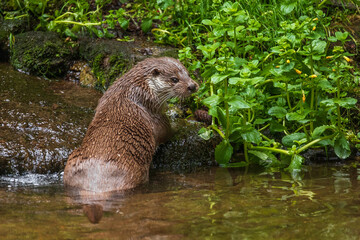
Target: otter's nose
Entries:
(192, 87)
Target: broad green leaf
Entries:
(296, 116)
(319, 131)
(341, 36)
(230, 7)
(146, 25)
(261, 155)
(242, 17)
(163, 4)
(318, 46)
(205, 133)
(276, 127)
(237, 30)
(289, 140)
(249, 48)
(295, 164)
(69, 33)
(343, 102)
(267, 159)
(287, 8)
(238, 103)
(252, 81)
(342, 146)
(219, 31)
(244, 133)
(221, 116)
(223, 152)
(332, 39)
(212, 101)
(347, 102)
(278, 112)
(325, 85)
(124, 24)
(208, 22)
(328, 102)
(252, 135)
(261, 120)
(216, 78)
(245, 72)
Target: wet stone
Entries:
(41, 121)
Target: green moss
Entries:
(108, 60)
(40, 53)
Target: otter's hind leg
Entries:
(98, 176)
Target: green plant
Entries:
(276, 96)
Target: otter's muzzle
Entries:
(192, 87)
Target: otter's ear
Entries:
(156, 72)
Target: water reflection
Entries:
(213, 204)
(93, 212)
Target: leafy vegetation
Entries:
(275, 75)
(275, 78)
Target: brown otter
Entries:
(128, 125)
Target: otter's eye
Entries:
(174, 80)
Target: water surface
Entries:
(212, 204)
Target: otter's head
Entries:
(169, 78)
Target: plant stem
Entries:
(263, 128)
(212, 93)
(235, 45)
(218, 131)
(78, 23)
(227, 131)
(338, 97)
(303, 148)
(288, 95)
(312, 89)
(312, 108)
(265, 137)
(246, 155)
(282, 151)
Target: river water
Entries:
(215, 203)
(42, 121)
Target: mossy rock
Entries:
(7, 27)
(41, 53)
(108, 59)
(186, 151)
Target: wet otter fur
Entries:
(128, 125)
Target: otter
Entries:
(128, 126)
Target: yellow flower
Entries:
(277, 66)
(314, 28)
(334, 70)
(315, 19)
(313, 76)
(303, 97)
(347, 59)
(328, 57)
(297, 71)
(288, 61)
